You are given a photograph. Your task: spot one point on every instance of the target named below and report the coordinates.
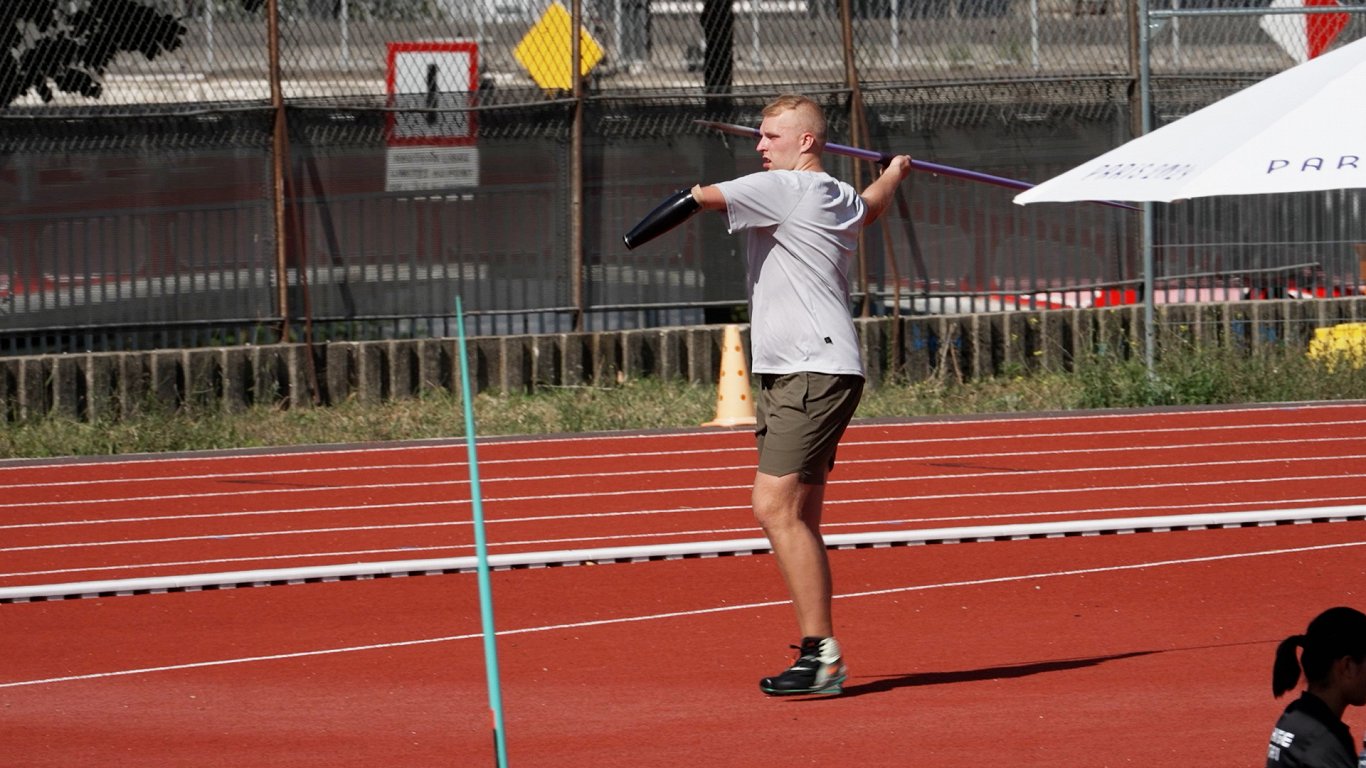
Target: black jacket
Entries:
(1308, 735)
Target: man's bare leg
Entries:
(789, 511)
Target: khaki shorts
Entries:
(799, 420)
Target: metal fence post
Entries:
(576, 167)
(279, 145)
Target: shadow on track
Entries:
(916, 679)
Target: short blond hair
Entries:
(813, 117)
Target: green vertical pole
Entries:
(481, 552)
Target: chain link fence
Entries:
(192, 55)
(434, 148)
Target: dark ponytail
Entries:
(1333, 634)
(1285, 673)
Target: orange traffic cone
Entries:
(734, 407)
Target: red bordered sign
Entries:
(429, 85)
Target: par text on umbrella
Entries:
(1344, 162)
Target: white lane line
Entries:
(490, 442)
(677, 614)
(992, 494)
(372, 528)
(660, 511)
(676, 550)
(276, 475)
(829, 526)
(426, 484)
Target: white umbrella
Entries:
(1301, 130)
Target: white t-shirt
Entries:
(801, 234)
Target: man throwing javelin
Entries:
(802, 227)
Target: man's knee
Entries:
(777, 500)
(768, 513)
(770, 516)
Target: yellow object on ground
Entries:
(1345, 343)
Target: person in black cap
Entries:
(1310, 733)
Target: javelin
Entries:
(920, 165)
(495, 687)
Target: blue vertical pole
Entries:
(481, 551)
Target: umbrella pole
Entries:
(1149, 316)
(1146, 238)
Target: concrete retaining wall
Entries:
(121, 384)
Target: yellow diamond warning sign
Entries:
(545, 50)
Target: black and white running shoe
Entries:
(819, 670)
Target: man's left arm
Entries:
(880, 194)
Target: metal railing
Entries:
(157, 214)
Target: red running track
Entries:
(1146, 649)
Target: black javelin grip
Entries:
(678, 208)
